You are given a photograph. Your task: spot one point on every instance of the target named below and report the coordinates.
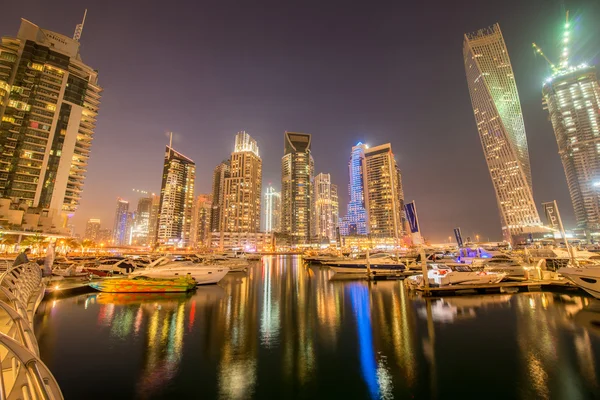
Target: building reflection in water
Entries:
(285, 327)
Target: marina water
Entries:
(285, 330)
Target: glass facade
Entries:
(119, 236)
(325, 207)
(176, 200)
(501, 129)
(573, 101)
(297, 172)
(49, 102)
(356, 221)
(272, 210)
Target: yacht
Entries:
(203, 274)
(381, 263)
(456, 274)
(587, 278)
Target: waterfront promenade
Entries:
(24, 375)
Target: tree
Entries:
(34, 241)
(86, 244)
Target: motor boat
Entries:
(381, 263)
(144, 284)
(163, 268)
(456, 274)
(321, 258)
(587, 278)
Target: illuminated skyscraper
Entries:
(49, 101)
(120, 225)
(272, 210)
(499, 120)
(140, 234)
(201, 221)
(176, 200)
(325, 207)
(297, 170)
(153, 222)
(220, 174)
(92, 229)
(243, 187)
(572, 97)
(355, 222)
(385, 197)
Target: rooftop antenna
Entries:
(171, 140)
(79, 28)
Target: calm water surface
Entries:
(283, 330)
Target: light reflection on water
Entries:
(285, 330)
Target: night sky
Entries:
(376, 72)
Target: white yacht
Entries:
(587, 278)
(380, 263)
(456, 274)
(203, 274)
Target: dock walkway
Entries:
(502, 287)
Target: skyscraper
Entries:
(243, 187)
(499, 120)
(572, 97)
(201, 221)
(325, 207)
(297, 170)
(272, 210)
(153, 221)
(92, 229)
(140, 235)
(120, 224)
(176, 200)
(49, 101)
(220, 174)
(385, 204)
(356, 220)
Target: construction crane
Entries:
(564, 55)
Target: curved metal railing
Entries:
(23, 375)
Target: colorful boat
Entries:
(142, 284)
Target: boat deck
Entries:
(68, 286)
(502, 287)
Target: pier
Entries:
(24, 375)
(502, 287)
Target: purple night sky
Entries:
(375, 72)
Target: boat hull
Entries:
(587, 279)
(202, 275)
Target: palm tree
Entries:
(7, 241)
(34, 241)
(86, 244)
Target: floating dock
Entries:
(502, 287)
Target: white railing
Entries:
(23, 375)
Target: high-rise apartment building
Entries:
(176, 200)
(49, 101)
(92, 229)
(376, 194)
(355, 221)
(572, 97)
(140, 234)
(499, 120)
(325, 207)
(201, 221)
(243, 187)
(120, 225)
(385, 204)
(153, 221)
(297, 172)
(220, 174)
(272, 210)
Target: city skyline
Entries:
(548, 176)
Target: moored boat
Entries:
(587, 278)
(456, 274)
(203, 274)
(142, 284)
